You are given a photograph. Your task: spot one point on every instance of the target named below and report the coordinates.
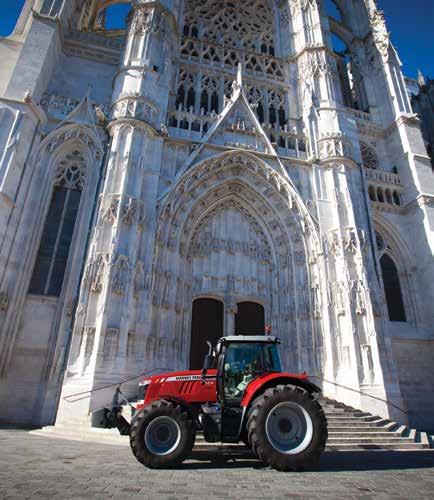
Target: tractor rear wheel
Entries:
(162, 435)
(287, 428)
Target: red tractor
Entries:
(241, 394)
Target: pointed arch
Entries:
(392, 289)
(72, 158)
(394, 262)
(228, 221)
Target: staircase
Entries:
(349, 430)
(354, 430)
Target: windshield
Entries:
(244, 361)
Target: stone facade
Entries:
(422, 101)
(220, 152)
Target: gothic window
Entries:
(392, 289)
(220, 35)
(388, 197)
(369, 156)
(51, 7)
(380, 195)
(50, 267)
(396, 198)
(351, 81)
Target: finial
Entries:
(240, 75)
(237, 84)
(421, 78)
(89, 88)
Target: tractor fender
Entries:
(264, 382)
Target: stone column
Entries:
(110, 329)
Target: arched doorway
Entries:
(392, 289)
(206, 325)
(250, 319)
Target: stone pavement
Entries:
(38, 467)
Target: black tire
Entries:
(315, 437)
(139, 437)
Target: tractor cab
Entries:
(239, 360)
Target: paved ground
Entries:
(37, 467)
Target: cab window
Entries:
(244, 361)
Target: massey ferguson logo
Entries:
(186, 378)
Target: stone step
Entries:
(397, 446)
(353, 420)
(371, 435)
(344, 414)
(367, 440)
(357, 428)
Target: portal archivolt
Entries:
(231, 231)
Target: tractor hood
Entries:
(188, 386)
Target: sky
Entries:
(411, 23)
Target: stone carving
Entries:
(317, 301)
(77, 133)
(100, 115)
(120, 276)
(111, 342)
(4, 300)
(334, 145)
(380, 34)
(350, 241)
(339, 296)
(137, 107)
(60, 107)
(315, 64)
(111, 212)
(149, 21)
(139, 279)
(89, 339)
(334, 243)
(359, 297)
(129, 209)
(298, 6)
(98, 273)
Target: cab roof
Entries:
(251, 338)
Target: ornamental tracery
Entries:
(71, 171)
(369, 156)
(243, 25)
(219, 36)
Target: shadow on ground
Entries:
(331, 461)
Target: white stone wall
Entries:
(179, 204)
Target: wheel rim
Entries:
(162, 436)
(289, 428)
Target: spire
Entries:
(421, 78)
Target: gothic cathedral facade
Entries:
(210, 167)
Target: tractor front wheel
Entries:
(162, 435)
(287, 428)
